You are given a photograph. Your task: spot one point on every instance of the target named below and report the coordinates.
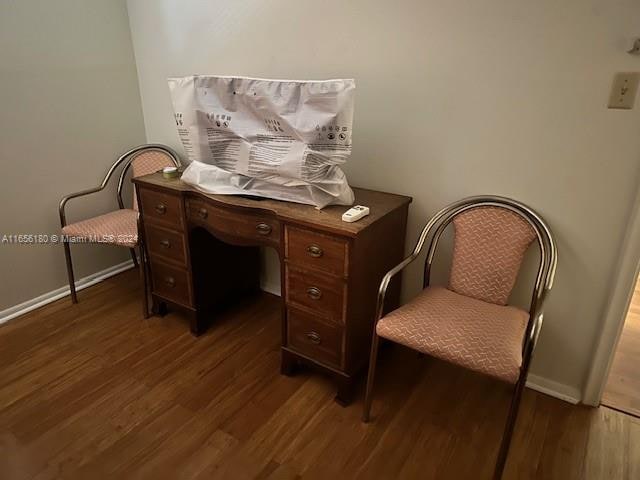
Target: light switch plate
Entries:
(623, 90)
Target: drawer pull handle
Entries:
(314, 338)
(161, 208)
(314, 293)
(263, 229)
(170, 281)
(203, 213)
(315, 251)
(165, 243)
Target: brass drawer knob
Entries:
(263, 229)
(314, 293)
(161, 208)
(203, 213)
(313, 337)
(314, 251)
(170, 281)
(165, 243)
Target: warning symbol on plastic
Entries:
(342, 136)
(331, 136)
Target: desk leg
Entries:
(158, 307)
(198, 325)
(344, 397)
(288, 363)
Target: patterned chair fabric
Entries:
(483, 337)
(148, 162)
(119, 227)
(489, 245)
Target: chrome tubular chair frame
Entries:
(123, 161)
(544, 281)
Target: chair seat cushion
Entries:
(119, 227)
(477, 335)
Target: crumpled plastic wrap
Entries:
(281, 139)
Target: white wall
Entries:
(69, 105)
(454, 98)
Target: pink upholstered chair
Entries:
(469, 323)
(119, 227)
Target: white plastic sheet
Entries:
(281, 139)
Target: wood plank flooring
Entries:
(623, 385)
(94, 391)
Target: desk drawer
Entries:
(167, 244)
(314, 338)
(321, 294)
(162, 207)
(315, 250)
(256, 229)
(172, 283)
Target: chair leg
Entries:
(72, 282)
(145, 285)
(368, 396)
(509, 427)
(134, 258)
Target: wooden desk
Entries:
(203, 251)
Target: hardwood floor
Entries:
(623, 386)
(94, 391)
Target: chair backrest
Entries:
(144, 160)
(492, 235)
(489, 246)
(149, 161)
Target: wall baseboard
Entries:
(41, 300)
(52, 296)
(554, 389)
(534, 382)
(270, 287)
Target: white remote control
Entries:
(355, 213)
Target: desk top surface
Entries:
(329, 218)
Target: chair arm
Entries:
(531, 340)
(65, 199)
(535, 331)
(538, 316)
(384, 284)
